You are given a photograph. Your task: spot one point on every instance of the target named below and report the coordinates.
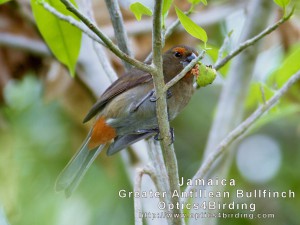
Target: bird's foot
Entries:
(169, 94)
(158, 138)
(154, 99)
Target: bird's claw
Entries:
(158, 138)
(169, 94)
(154, 99)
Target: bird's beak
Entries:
(191, 57)
(188, 59)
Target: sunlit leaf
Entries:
(62, 38)
(191, 27)
(166, 7)
(289, 66)
(282, 3)
(3, 1)
(256, 92)
(276, 115)
(195, 2)
(138, 9)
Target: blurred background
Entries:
(42, 107)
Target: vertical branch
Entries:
(161, 108)
(119, 29)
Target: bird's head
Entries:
(176, 58)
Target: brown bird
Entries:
(126, 113)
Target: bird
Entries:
(126, 113)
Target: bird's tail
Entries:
(74, 171)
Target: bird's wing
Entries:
(124, 83)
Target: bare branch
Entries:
(250, 42)
(161, 111)
(21, 42)
(100, 52)
(115, 49)
(138, 201)
(242, 128)
(183, 72)
(71, 20)
(119, 29)
(148, 170)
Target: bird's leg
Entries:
(135, 108)
(154, 99)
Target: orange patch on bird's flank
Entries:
(181, 50)
(101, 134)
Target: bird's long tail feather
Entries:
(74, 171)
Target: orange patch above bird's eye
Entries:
(181, 50)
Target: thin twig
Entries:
(169, 31)
(119, 28)
(71, 21)
(102, 57)
(183, 72)
(100, 52)
(138, 201)
(148, 170)
(251, 41)
(115, 49)
(21, 42)
(242, 128)
(174, 25)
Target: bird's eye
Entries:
(177, 54)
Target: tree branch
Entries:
(100, 52)
(171, 28)
(71, 21)
(242, 128)
(230, 108)
(106, 40)
(161, 110)
(183, 72)
(119, 29)
(137, 188)
(251, 41)
(21, 42)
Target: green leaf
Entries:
(284, 111)
(282, 3)
(255, 96)
(289, 66)
(166, 7)
(195, 2)
(191, 27)
(61, 37)
(138, 9)
(3, 1)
